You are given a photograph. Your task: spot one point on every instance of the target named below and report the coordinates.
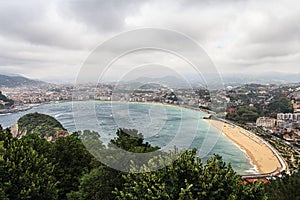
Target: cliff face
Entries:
(58, 134)
(43, 125)
(15, 131)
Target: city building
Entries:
(266, 122)
(294, 117)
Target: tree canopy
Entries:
(25, 174)
(6, 101)
(286, 187)
(41, 124)
(188, 178)
(244, 114)
(280, 105)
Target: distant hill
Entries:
(261, 78)
(15, 81)
(169, 81)
(241, 78)
(43, 125)
(215, 81)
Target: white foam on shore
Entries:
(254, 168)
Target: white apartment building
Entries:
(294, 117)
(266, 122)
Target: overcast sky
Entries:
(50, 40)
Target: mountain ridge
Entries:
(17, 80)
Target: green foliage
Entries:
(131, 140)
(71, 161)
(91, 139)
(9, 102)
(36, 123)
(187, 178)
(280, 105)
(244, 114)
(25, 174)
(32, 168)
(135, 150)
(3, 195)
(104, 179)
(286, 187)
(41, 145)
(98, 184)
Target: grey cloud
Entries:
(17, 19)
(101, 14)
(68, 24)
(40, 24)
(237, 34)
(267, 34)
(259, 51)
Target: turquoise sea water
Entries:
(164, 126)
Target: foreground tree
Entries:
(98, 184)
(286, 187)
(102, 180)
(3, 195)
(32, 168)
(25, 174)
(71, 161)
(131, 140)
(186, 179)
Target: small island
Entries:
(44, 126)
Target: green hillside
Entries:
(4, 101)
(14, 81)
(40, 124)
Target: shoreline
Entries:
(250, 145)
(254, 166)
(259, 154)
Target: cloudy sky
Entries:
(50, 40)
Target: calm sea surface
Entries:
(164, 126)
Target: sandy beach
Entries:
(258, 152)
